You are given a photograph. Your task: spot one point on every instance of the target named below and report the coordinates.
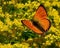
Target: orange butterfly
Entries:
(40, 24)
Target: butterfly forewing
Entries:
(31, 26)
(40, 13)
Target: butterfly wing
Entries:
(41, 18)
(45, 23)
(40, 13)
(30, 25)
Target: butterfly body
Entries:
(40, 24)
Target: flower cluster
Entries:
(13, 31)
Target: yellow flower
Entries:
(58, 4)
(58, 44)
(54, 12)
(59, 19)
(47, 43)
(22, 45)
(13, 1)
(51, 41)
(19, 34)
(54, 3)
(8, 22)
(0, 9)
(16, 22)
(10, 2)
(39, 0)
(27, 5)
(42, 1)
(53, 28)
(48, 36)
(4, 3)
(56, 19)
(47, 4)
(25, 45)
(30, 39)
(1, 25)
(51, 38)
(6, 46)
(5, 28)
(2, 14)
(34, 44)
(19, 5)
(7, 15)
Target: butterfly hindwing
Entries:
(45, 23)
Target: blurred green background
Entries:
(13, 34)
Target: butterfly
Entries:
(39, 23)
